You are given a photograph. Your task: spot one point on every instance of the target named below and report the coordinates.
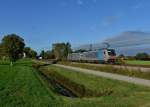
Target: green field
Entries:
(137, 62)
(22, 86)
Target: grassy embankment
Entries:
(22, 86)
(123, 94)
(110, 69)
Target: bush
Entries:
(142, 56)
(120, 61)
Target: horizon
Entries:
(42, 23)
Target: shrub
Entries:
(142, 56)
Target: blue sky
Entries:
(43, 22)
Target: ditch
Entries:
(66, 87)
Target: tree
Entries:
(30, 53)
(67, 49)
(142, 56)
(33, 54)
(80, 51)
(122, 56)
(1, 52)
(13, 46)
(61, 50)
(42, 54)
(47, 54)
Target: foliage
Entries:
(80, 51)
(42, 54)
(47, 54)
(61, 50)
(50, 54)
(1, 51)
(130, 58)
(67, 49)
(120, 61)
(142, 56)
(30, 53)
(121, 56)
(13, 46)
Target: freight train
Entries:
(98, 56)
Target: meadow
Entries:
(22, 86)
(137, 62)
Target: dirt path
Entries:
(134, 68)
(109, 75)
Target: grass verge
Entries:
(124, 94)
(138, 63)
(110, 69)
(78, 90)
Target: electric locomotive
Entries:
(97, 56)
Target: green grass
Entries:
(137, 62)
(22, 86)
(124, 94)
(110, 69)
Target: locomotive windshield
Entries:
(111, 52)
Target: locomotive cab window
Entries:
(111, 52)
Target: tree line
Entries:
(59, 51)
(138, 56)
(13, 47)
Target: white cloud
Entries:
(130, 38)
